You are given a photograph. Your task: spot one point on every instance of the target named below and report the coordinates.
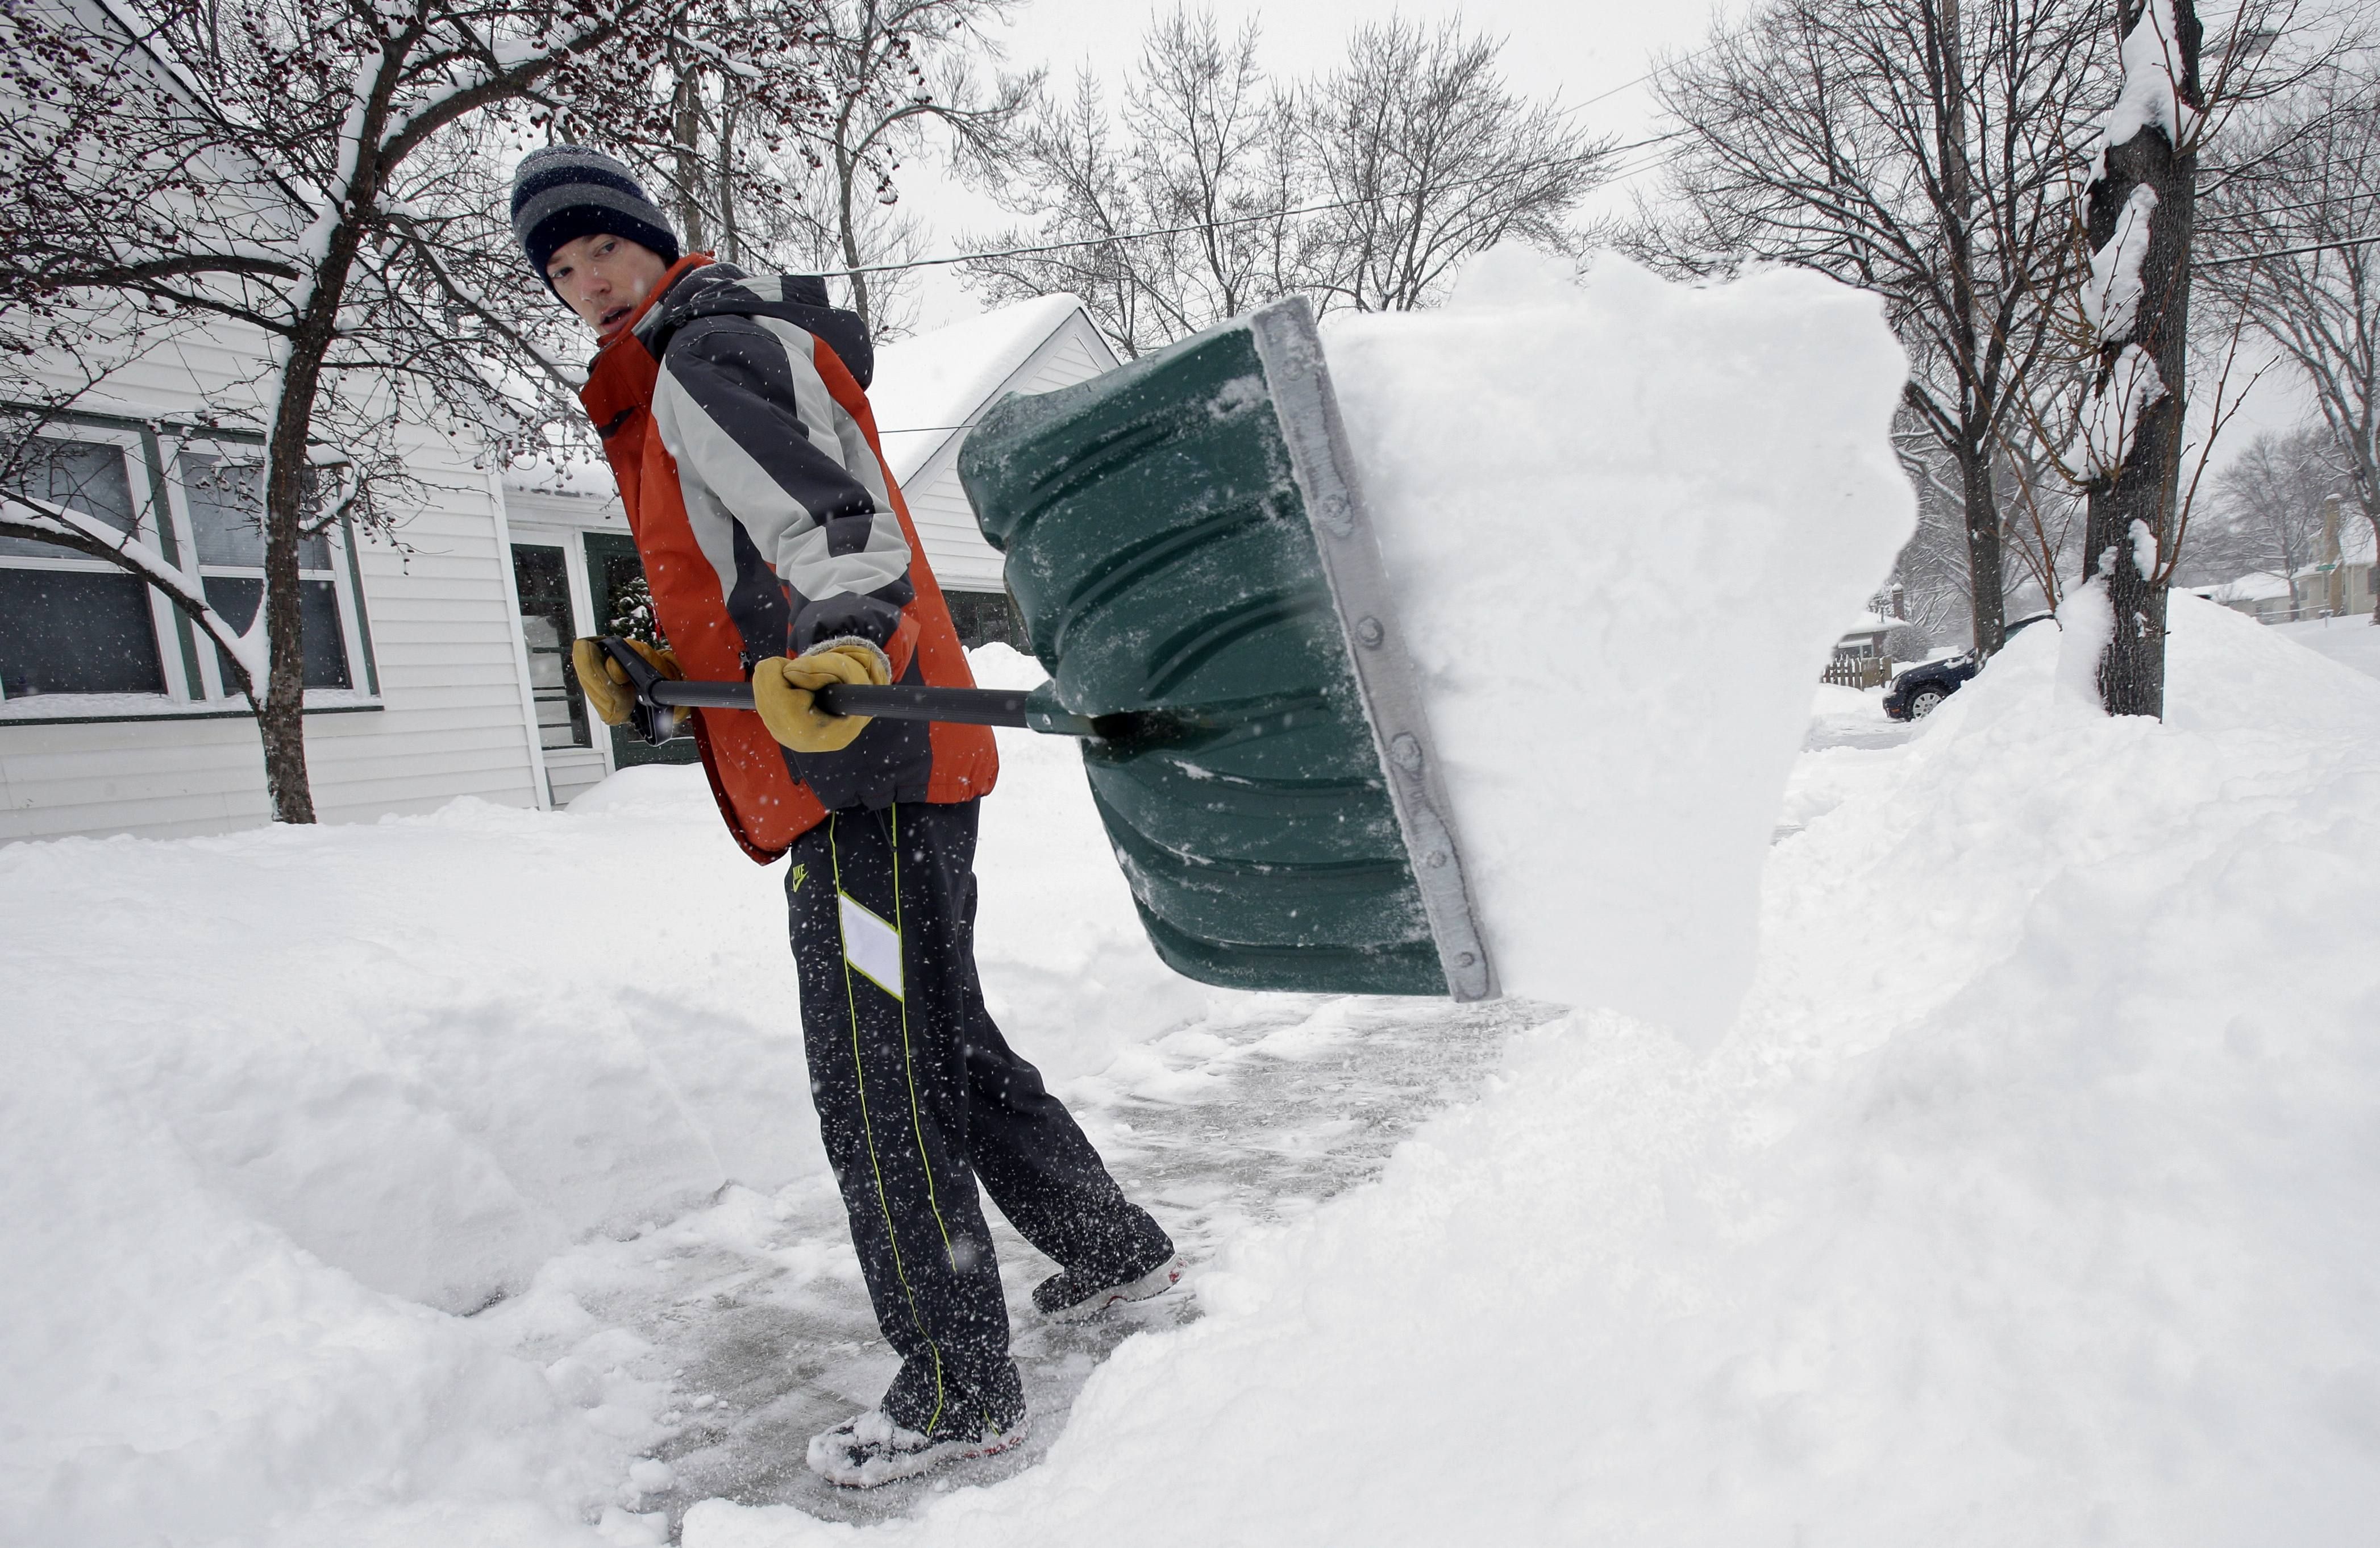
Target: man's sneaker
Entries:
(869, 1449)
(1068, 1297)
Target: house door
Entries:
(616, 584)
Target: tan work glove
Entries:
(605, 680)
(783, 692)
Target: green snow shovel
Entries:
(1187, 543)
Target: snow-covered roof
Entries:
(1870, 623)
(2256, 586)
(588, 478)
(930, 387)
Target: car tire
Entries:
(1925, 701)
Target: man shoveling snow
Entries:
(734, 412)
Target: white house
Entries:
(571, 553)
(113, 714)
(929, 388)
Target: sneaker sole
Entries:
(1156, 1282)
(894, 1470)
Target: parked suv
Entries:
(1918, 692)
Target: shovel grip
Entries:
(661, 701)
(900, 701)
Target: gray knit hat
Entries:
(567, 191)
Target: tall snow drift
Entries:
(2028, 1201)
(1625, 521)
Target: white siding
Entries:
(962, 560)
(441, 628)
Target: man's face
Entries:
(604, 278)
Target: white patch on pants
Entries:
(870, 944)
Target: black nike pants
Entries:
(920, 1095)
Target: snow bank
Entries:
(2040, 1216)
(1570, 480)
(281, 1103)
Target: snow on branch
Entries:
(2156, 90)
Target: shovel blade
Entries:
(1184, 538)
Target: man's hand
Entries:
(785, 692)
(605, 681)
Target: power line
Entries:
(1163, 231)
(1628, 85)
(2287, 252)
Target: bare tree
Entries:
(1920, 148)
(794, 183)
(1215, 189)
(2268, 512)
(1178, 204)
(320, 181)
(1426, 156)
(2292, 236)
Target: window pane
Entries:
(226, 500)
(326, 642)
(87, 475)
(235, 598)
(74, 632)
(543, 582)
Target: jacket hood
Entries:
(724, 290)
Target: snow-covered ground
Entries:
(2351, 642)
(2027, 1200)
(451, 1180)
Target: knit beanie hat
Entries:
(567, 191)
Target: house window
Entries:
(541, 578)
(69, 624)
(72, 625)
(225, 496)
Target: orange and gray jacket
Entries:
(734, 412)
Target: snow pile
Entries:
(2027, 1201)
(2352, 641)
(1570, 480)
(281, 1103)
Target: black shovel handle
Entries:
(656, 696)
(901, 701)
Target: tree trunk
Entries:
(1986, 603)
(846, 169)
(2137, 502)
(1977, 491)
(281, 722)
(685, 127)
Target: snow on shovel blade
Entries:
(1188, 546)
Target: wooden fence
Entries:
(1848, 670)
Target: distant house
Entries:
(2341, 582)
(2262, 595)
(575, 567)
(1860, 659)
